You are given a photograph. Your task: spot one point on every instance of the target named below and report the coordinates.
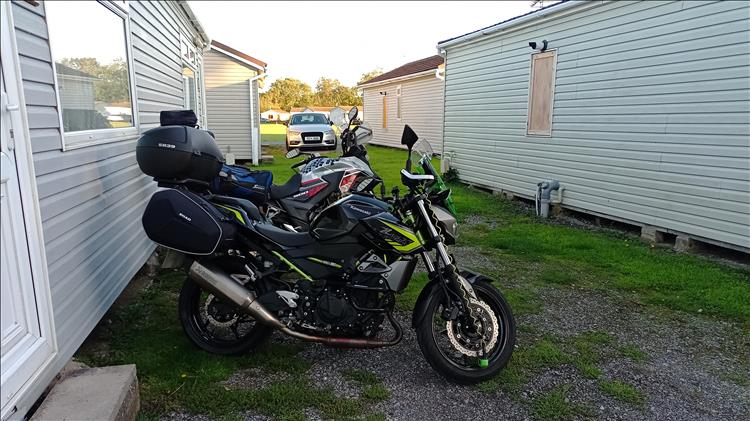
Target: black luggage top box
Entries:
(178, 153)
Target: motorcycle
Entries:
(318, 181)
(335, 284)
(321, 181)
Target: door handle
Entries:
(12, 107)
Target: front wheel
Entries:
(453, 347)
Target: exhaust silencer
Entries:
(219, 283)
(227, 288)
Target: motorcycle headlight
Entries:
(448, 224)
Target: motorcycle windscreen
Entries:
(184, 221)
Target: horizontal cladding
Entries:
(421, 109)
(650, 114)
(228, 107)
(92, 198)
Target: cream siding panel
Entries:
(421, 108)
(649, 122)
(92, 198)
(230, 115)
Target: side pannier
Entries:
(184, 221)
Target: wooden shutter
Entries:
(541, 93)
(385, 112)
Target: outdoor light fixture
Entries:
(538, 46)
(383, 93)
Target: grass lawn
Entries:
(272, 133)
(174, 376)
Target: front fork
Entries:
(462, 286)
(451, 277)
(442, 251)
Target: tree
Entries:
(369, 75)
(325, 92)
(287, 93)
(331, 92)
(111, 84)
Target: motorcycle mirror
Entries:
(353, 113)
(293, 153)
(409, 137)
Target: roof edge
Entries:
(230, 54)
(195, 22)
(564, 5)
(397, 79)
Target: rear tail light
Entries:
(347, 182)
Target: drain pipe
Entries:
(543, 195)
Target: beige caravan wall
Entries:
(421, 108)
(649, 117)
(228, 103)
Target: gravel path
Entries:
(684, 375)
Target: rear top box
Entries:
(179, 153)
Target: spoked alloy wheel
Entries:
(216, 326)
(453, 347)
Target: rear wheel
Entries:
(216, 326)
(453, 347)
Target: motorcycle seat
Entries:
(246, 205)
(283, 237)
(286, 189)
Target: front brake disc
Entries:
(490, 330)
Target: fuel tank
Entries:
(360, 215)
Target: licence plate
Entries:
(312, 138)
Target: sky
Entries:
(343, 40)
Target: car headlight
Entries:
(329, 134)
(293, 133)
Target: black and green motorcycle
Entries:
(336, 284)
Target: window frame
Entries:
(552, 94)
(186, 47)
(85, 138)
(398, 103)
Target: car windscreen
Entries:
(309, 119)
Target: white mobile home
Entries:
(72, 193)
(232, 100)
(639, 109)
(410, 94)
(327, 110)
(275, 116)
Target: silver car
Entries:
(312, 131)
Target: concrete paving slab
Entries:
(101, 393)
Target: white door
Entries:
(25, 348)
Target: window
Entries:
(89, 44)
(541, 93)
(308, 118)
(398, 102)
(189, 88)
(385, 112)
